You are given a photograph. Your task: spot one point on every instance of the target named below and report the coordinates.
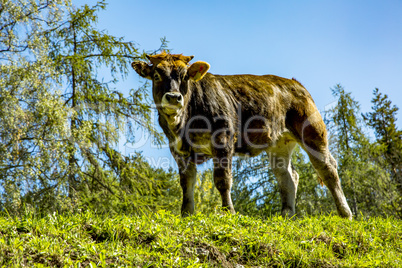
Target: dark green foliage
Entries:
(255, 191)
(387, 149)
(366, 183)
(139, 188)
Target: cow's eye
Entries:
(157, 77)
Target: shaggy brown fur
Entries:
(208, 116)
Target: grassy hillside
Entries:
(164, 240)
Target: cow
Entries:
(206, 116)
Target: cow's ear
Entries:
(142, 69)
(197, 70)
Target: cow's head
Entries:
(170, 75)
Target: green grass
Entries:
(165, 240)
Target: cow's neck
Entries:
(174, 121)
(177, 122)
(174, 126)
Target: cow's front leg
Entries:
(188, 175)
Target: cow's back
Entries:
(261, 108)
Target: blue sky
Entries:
(321, 43)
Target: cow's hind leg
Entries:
(315, 143)
(285, 174)
(310, 130)
(326, 167)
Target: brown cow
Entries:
(208, 116)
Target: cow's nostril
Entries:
(173, 97)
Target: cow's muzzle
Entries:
(174, 98)
(172, 102)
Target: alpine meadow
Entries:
(71, 197)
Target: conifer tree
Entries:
(255, 190)
(388, 147)
(60, 122)
(78, 49)
(32, 117)
(360, 175)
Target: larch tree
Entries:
(60, 122)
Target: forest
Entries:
(60, 124)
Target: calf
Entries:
(208, 116)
